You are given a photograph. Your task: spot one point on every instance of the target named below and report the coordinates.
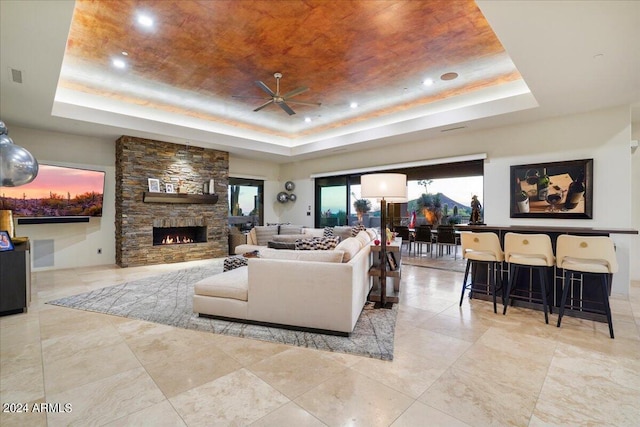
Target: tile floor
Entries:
(452, 367)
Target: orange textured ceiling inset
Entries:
(375, 52)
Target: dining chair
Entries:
(423, 237)
(404, 233)
(446, 237)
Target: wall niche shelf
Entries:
(203, 199)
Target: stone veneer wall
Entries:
(186, 167)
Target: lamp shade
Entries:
(389, 186)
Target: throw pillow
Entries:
(234, 262)
(328, 232)
(317, 243)
(356, 229)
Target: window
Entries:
(453, 183)
(246, 198)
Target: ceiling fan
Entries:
(280, 100)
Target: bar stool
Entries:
(532, 251)
(582, 255)
(481, 248)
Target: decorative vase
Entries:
(6, 222)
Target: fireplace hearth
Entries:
(179, 235)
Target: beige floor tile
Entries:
(86, 366)
(457, 327)
(238, 398)
(247, 351)
(198, 363)
(288, 415)
(440, 349)
(65, 346)
(408, 373)
(25, 385)
(297, 370)
(106, 400)
(15, 332)
(420, 414)
(26, 416)
(17, 357)
(159, 415)
(353, 399)
(479, 399)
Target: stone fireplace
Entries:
(156, 228)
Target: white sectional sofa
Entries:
(323, 290)
(259, 236)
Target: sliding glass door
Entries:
(246, 202)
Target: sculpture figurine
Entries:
(475, 211)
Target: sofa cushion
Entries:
(264, 233)
(318, 256)
(290, 229)
(317, 243)
(344, 232)
(350, 247)
(363, 238)
(313, 232)
(373, 234)
(288, 238)
(230, 284)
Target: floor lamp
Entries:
(388, 187)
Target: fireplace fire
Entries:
(178, 235)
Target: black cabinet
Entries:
(14, 280)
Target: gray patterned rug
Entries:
(167, 299)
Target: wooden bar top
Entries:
(547, 229)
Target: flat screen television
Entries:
(57, 191)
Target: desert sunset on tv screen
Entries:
(57, 191)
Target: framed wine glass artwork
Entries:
(552, 190)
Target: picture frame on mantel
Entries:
(562, 190)
(169, 188)
(154, 185)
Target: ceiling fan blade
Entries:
(264, 105)
(295, 92)
(247, 97)
(312, 104)
(265, 88)
(286, 108)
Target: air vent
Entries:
(450, 129)
(16, 75)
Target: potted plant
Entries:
(431, 206)
(362, 206)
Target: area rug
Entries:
(167, 299)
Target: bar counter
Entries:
(589, 296)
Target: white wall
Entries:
(76, 244)
(635, 200)
(602, 135)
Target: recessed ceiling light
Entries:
(427, 82)
(119, 63)
(307, 119)
(353, 105)
(124, 53)
(145, 20)
(449, 76)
